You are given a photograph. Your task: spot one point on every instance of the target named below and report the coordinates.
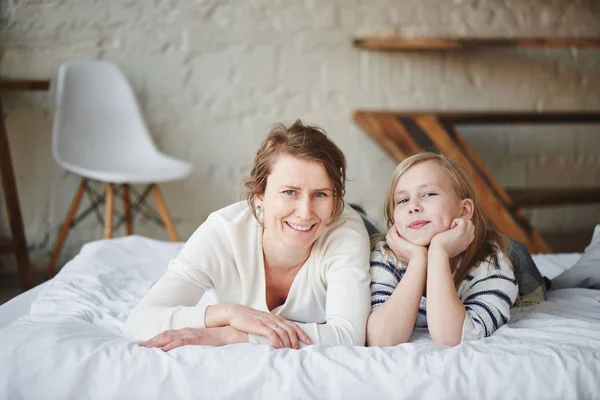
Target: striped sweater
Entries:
(488, 292)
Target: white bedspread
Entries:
(71, 347)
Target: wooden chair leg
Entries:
(161, 206)
(109, 211)
(64, 231)
(127, 209)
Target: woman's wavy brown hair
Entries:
(488, 241)
(305, 142)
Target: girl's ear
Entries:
(467, 208)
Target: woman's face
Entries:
(424, 203)
(297, 204)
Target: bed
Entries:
(63, 340)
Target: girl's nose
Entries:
(415, 207)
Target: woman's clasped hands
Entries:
(229, 324)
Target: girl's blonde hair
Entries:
(488, 241)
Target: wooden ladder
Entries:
(404, 133)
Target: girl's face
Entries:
(425, 203)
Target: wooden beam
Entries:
(396, 43)
(497, 117)
(389, 133)
(415, 133)
(491, 194)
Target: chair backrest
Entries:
(98, 122)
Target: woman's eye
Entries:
(320, 195)
(290, 192)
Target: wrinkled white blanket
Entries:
(71, 347)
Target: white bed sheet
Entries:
(19, 306)
(71, 347)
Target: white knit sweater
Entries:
(329, 297)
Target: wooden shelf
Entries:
(499, 117)
(396, 43)
(545, 197)
(22, 85)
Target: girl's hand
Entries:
(280, 332)
(455, 240)
(171, 339)
(402, 248)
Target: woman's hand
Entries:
(168, 340)
(455, 240)
(280, 332)
(402, 248)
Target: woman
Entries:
(288, 266)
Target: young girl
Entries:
(441, 265)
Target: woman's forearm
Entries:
(445, 312)
(393, 322)
(218, 315)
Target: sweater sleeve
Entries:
(488, 298)
(386, 273)
(172, 302)
(345, 271)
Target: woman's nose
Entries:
(304, 208)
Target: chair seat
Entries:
(156, 169)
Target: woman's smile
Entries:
(299, 227)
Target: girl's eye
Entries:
(290, 192)
(401, 201)
(429, 194)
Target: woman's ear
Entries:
(467, 208)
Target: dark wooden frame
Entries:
(17, 243)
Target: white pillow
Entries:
(595, 238)
(586, 272)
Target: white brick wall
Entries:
(213, 75)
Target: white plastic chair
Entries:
(100, 135)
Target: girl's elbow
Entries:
(385, 340)
(446, 340)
